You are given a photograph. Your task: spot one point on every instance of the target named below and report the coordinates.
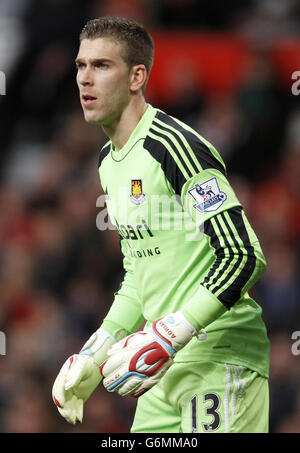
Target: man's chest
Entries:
(135, 187)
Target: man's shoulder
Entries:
(170, 139)
(165, 125)
(165, 119)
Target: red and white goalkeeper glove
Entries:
(80, 375)
(139, 361)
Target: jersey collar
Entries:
(139, 133)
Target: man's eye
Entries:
(101, 65)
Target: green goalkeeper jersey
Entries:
(186, 241)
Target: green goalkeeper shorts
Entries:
(205, 397)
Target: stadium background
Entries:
(223, 67)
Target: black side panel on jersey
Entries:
(103, 153)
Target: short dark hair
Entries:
(138, 45)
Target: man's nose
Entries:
(85, 77)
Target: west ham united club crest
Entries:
(208, 196)
(137, 196)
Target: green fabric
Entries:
(205, 397)
(169, 244)
(125, 315)
(202, 309)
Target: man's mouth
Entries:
(88, 99)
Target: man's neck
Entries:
(120, 131)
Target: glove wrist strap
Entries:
(98, 345)
(175, 330)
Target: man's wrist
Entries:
(202, 309)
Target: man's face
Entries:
(103, 80)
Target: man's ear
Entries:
(138, 76)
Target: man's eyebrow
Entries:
(93, 60)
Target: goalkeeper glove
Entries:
(80, 375)
(139, 361)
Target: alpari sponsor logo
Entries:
(135, 232)
(163, 213)
(144, 253)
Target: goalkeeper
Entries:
(201, 362)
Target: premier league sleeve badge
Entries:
(208, 196)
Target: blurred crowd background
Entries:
(58, 272)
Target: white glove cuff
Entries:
(98, 345)
(176, 329)
(185, 322)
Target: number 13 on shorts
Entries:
(241, 406)
(211, 410)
